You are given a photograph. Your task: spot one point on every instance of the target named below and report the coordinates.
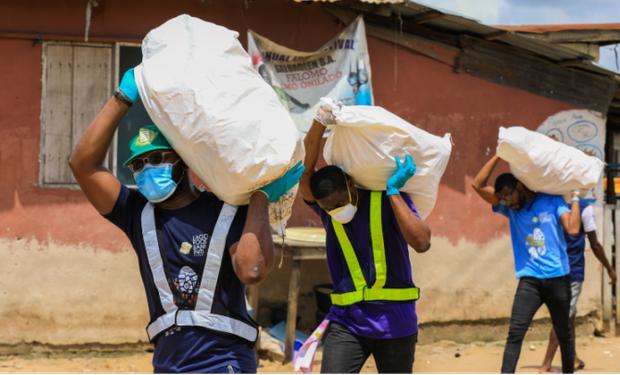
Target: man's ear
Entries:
(520, 186)
(351, 184)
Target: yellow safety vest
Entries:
(363, 292)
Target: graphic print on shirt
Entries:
(544, 217)
(200, 244)
(185, 248)
(536, 244)
(184, 288)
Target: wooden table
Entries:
(297, 251)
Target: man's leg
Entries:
(546, 368)
(575, 288)
(579, 364)
(395, 356)
(344, 351)
(551, 349)
(527, 301)
(557, 297)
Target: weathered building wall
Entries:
(71, 277)
(60, 294)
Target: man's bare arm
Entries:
(599, 253)
(312, 143)
(98, 184)
(571, 221)
(253, 256)
(415, 230)
(480, 182)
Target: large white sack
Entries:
(199, 87)
(365, 142)
(546, 165)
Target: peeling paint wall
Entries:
(69, 294)
(468, 281)
(458, 282)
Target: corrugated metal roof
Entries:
(459, 24)
(539, 29)
(599, 34)
(443, 20)
(507, 66)
(435, 32)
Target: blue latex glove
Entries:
(128, 86)
(402, 175)
(279, 187)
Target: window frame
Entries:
(111, 161)
(117, 81)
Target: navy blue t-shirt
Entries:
(186, 233)
(575, 246)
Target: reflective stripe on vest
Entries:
(201, 316)
(362, 292)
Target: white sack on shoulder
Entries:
(365, 142)
(199, 87)
(546, 165)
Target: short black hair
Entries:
(505, 180)
(327, 180)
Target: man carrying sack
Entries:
(195, 252)
(368, 233)
(537, 225)
(576, 247)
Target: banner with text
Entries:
(339, 70)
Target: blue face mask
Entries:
(155, 182)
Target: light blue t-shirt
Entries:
(538, 240)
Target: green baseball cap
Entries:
(149, 138)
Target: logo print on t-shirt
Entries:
(185, 248)
(200, 244)
(184, 287)
(536, 243)
(544, 217)
(187, 280)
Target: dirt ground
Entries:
(601, 355)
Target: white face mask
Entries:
(344, 214)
